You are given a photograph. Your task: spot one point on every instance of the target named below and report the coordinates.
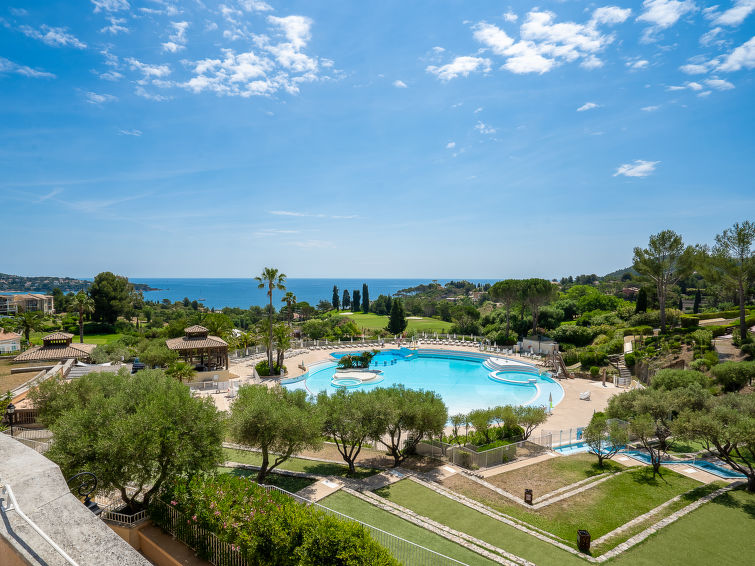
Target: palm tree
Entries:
(28, 321)
(83, 303)
(290, 299)
(271, 279)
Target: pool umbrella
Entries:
(550, 400)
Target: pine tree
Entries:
(356, 301)
(335, 301)
(642, 302)
(346, 303)
(698, 300)
(397, 322)
(365, 298)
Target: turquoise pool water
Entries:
(704, 465)
(461, 379)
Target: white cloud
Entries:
(743, 57)
(694, 86)
(135, 133)
(719, 84)
(8, 66)
(111, 75)
(54, 37)
(450, 145)
(704, 93)
(587, 106)
(639, 168)
(255, 6)
(177, 38)
(142, 92)
(641, 64)
(477, 110)
(662, 14)
(591, 62)
(611, 15)
(438, 49)
(691, 85)
(650, 108)
(460, 66)
(484, 128)
(695, 68)
(20, 12)
(110, 5)
(493, 37)
(116, 26)
(399, 84)
(149, 71)
(709, 37)
(49, 195)
(95, 98)
(510, 17)
(736, 14)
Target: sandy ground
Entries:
(571, 412)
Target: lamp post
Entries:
(10, 410)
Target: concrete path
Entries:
(516, 465)
(320, 489)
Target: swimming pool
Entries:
(460, 378)
(704, 465)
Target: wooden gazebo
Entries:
(200, 349)
(55, 347)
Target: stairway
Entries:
(625, 376)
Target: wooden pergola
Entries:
(200, 349)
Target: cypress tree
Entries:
(356, 301)
(681, 304)
(642, 302)
(365, 298)
(346, 303)
(698, 300)
(397, 322)
(335, 301)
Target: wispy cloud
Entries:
(650, 108)
(110, 5)
(116, 26)
(95, 98)
(311, 215)
(52, 36)
(8, 66)
(638, 168)
(136, 133)
(743, 57)
(484, 128)
(49, 195)
(460, 67)
(662, 14)
(177, 38)
(587, 106)
(450, 145)
(399, 84)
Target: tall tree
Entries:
(113, 296)
(535, 293)
(132, 431)
(733, 263)
(276, 421)
(290, 299)
(28, 321)
(270, 279)
(397, 321)
(698, 300)
(346, 302)
(365, 298)
(336, 300)
(356, 300)
(604, 437)
(83, 304)
(507, 292)
(665, 261)
(642, 301)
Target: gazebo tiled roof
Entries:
(57, 336)
(56, 352)
(189, 343)
(196, 329)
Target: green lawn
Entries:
(362, 511)
(289, 483)
(457, 516)
(375, 322)
(36, 338)
(297, 464)
(599, 510)
(720, 532)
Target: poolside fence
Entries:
(208, 546)
(467, 457)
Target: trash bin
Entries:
(583, 540)
(528, 496)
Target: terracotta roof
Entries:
(188, 343)
(59, 352)
(58, 336)
(195, 329)
(8, 335)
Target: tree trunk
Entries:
(742, 312)
(81, 327)
(662, 306)
(263, 467)
(751, 483)
(507, 322)
(352, 468)
(270, 329)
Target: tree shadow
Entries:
(728, 500)
(645, 476)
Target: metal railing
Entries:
(467, 457)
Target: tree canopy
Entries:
(113, 296)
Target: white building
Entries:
(9, 342)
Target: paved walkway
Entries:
(320, 489)
(486, 473)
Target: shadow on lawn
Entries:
(728, 500)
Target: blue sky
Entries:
(390, 138)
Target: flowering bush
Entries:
(268, 527)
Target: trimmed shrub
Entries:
(732, 376)
(263, 369)
(669, 379)
(630, 359)
(689, 321)
(748, 349)
(594, 371)
(590, 357)
(573, 334)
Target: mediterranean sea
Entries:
(243, 292)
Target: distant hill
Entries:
(620, 272)
(45, 284)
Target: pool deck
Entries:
(571, 412)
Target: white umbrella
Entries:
(550, 400)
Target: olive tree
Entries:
(725, 425)
(131, 431)
(407, 416)
(604, 437)
(529, 418)
(349, 418)
(278, 422)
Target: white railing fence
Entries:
(467, 457)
